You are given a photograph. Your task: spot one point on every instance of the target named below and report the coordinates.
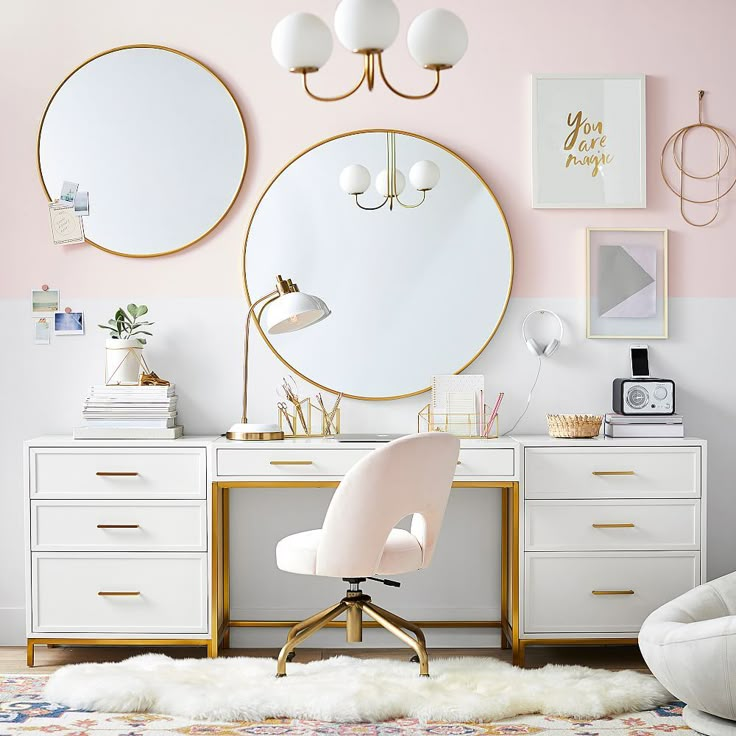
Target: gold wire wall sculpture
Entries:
(675, 147)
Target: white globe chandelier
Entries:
(302, 42)
(390, 182)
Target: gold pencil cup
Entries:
(297, 422)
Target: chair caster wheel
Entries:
(290, 657)
(415, 659)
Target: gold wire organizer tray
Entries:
(301, 419)
(472, 425)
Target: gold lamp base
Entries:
(249, 432)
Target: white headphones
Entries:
(533, 345)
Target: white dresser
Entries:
(118, 542)
(609, 531)
(128, 542)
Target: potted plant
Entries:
(124, 346)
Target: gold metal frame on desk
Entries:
(221, 622)
(293, 427)
(118, 642)
(432, 421)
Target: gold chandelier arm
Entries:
(268, 299)
(401, 94)
(370, 209)
(367, 74)
(413, 206)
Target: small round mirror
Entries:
(157, 140)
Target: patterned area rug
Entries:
(23, 711)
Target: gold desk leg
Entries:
(519, 654)
(517, 646)
(226, 565)
(215, 511)
(292, 644)
(417, 646)
(504, 565)
(30, 652)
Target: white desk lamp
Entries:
(290, 310)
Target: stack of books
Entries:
(129, 412)
(622, 426)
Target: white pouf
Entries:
(689, 645)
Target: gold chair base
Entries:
(354, 605)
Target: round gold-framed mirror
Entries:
(157, 140)
(417, 285)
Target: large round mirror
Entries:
(414, 290)
(155, 138)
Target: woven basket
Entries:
(574, 425)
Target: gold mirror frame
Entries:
(203, 66)
(346, 135)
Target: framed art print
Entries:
(626, 290)
(588, 140)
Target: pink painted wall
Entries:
(483, 112)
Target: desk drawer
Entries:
(118, 473)
(559, 587)
(612, 525)
(491, 462)
(613, 472)
(156, 593)
(142, 526)
(280, 463)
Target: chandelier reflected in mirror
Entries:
(390, 182)
(302, 42)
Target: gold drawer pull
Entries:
(118, 526)
(119, 592)
(627, 525)
(613, 472)
(612, 592)
(115, 474)
(292, 462)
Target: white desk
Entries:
(129, 541)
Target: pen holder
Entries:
(467, 425)
(329, 422)
(298, 421)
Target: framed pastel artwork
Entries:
(626, 289)
(588, 141)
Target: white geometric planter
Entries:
(123, 362)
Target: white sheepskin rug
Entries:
(343, 689)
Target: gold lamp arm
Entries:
(267, 299)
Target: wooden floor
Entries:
(13, 659)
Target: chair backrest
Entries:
(411, 475)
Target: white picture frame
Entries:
(625, 314)
(588, 141)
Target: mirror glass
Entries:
(155, 138)
(413, 292)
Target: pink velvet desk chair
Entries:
(358, 538)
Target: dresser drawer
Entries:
(118, 473)
(612, 525)
(156, 593)
(559, 589)
(613, 472)
(280, 463)
(491, 462)
(143, 526)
